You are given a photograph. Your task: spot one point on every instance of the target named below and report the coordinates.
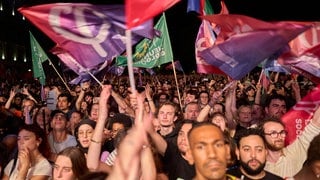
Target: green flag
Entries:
(38, 57)
(151, 53)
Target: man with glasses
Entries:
(252, 155)
(286, 161)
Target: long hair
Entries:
(78, 160)
(44, 147)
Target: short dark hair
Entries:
(248, 132)
(200, 124)
(270, 119)
(275, 96)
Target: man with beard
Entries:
(251, 152)
(286, 161)
(174, 154)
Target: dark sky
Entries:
(183, 26)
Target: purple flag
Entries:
(239, 54)
(91, 34)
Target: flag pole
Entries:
(260, 77)
(86, 70)
(175, 77)
(129, 60)
(59, 75)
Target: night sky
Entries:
(183, 26)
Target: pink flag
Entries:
(300, 114)
(139, 11)
(244, 42)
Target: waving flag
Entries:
(245, 42)
(139, 11)
(38, 57)
(152, 53)
(205, 39)
(176, 65)
(300, 114)
(91, 34)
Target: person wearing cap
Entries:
(59, 137)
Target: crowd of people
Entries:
(186, 127)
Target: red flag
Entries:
(300, 114)
(138, 11)
(307, 40)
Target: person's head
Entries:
(208, 151)
(313, 155)
(88, 97)
(250, 91)
(94, 112)
(163, 97)
(191, 96)
(251, 151)
(70, 164)
(27, 105)
(191, 111)
(275, 105)
(118, 122)
(220, 120)
(64, 102)
(204, 97)
(42, 118)
(33, 138)
(182, 140)
(84, 131)
(244, 113)
(75, 118)
(218, 107)
(274, 133)
(167, 114)
(257, 112)
(59, 120)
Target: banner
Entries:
(152, 53)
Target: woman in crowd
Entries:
(83, 133)
(31, 161)
(70, 164)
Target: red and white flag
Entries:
(300, 114)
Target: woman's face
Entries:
(62, 168)
(85, 132)
(27, 139)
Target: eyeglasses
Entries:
(275, 134)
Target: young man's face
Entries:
(208, 152)
(277, 108)
(274, 143)
(252, 154)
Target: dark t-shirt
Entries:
(175, 165)
(237, 173)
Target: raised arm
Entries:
(203, 115)
(135, 158)
(84, 87)
(93, 157)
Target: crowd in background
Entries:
(77, 131)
